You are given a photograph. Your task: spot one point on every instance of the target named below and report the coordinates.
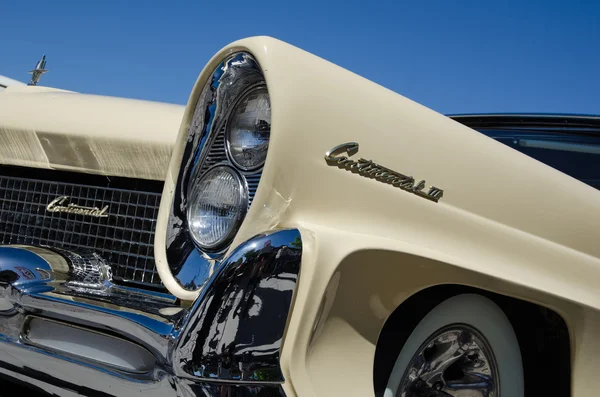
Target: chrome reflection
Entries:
(87, 270)
(455, 361)
(79, 342)
(237, 323)
(49, 375)
(205, 147)
(227, 343)
(62, 284)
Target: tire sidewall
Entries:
(480, 313)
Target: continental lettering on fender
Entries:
(62, 204)
(370, 169)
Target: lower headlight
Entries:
(217, 203)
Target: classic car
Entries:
(295, 230)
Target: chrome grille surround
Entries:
(205, 147)
(125, 239)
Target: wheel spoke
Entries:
(455, 361)
(447, 350)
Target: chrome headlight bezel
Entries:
(203, 147)
(261, 87)
(242, 190)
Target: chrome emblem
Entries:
(62, 204)
(370, 169)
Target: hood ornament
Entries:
(62, 204)
(38, 71)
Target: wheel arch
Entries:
(369, 286)
(545, 351)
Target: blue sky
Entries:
(453, 56)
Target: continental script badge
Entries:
(62, 204)
(372, 170)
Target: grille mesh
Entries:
(125, 238)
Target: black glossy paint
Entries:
(237, 325)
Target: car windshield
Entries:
(577, 155)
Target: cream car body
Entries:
(49, 128)
(8, 82)
(505, 223)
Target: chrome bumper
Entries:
(66, 328)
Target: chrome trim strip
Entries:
(557, 145)
(84, 344)
(527, 115)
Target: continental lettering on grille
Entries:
(63, 204)
(116, 223)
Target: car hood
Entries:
(55, 129)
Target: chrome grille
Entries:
(216, 153)
(125, 238)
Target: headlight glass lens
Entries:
(217, 203)
(249, 129)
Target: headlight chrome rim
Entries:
(262, 86)
(242, 186)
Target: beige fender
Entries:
(346, 295)
(506, 222)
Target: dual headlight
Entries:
(218, 199)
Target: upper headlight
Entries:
(217, 203)
(249, 129)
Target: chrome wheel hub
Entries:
(455, 361)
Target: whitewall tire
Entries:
(465, 346)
